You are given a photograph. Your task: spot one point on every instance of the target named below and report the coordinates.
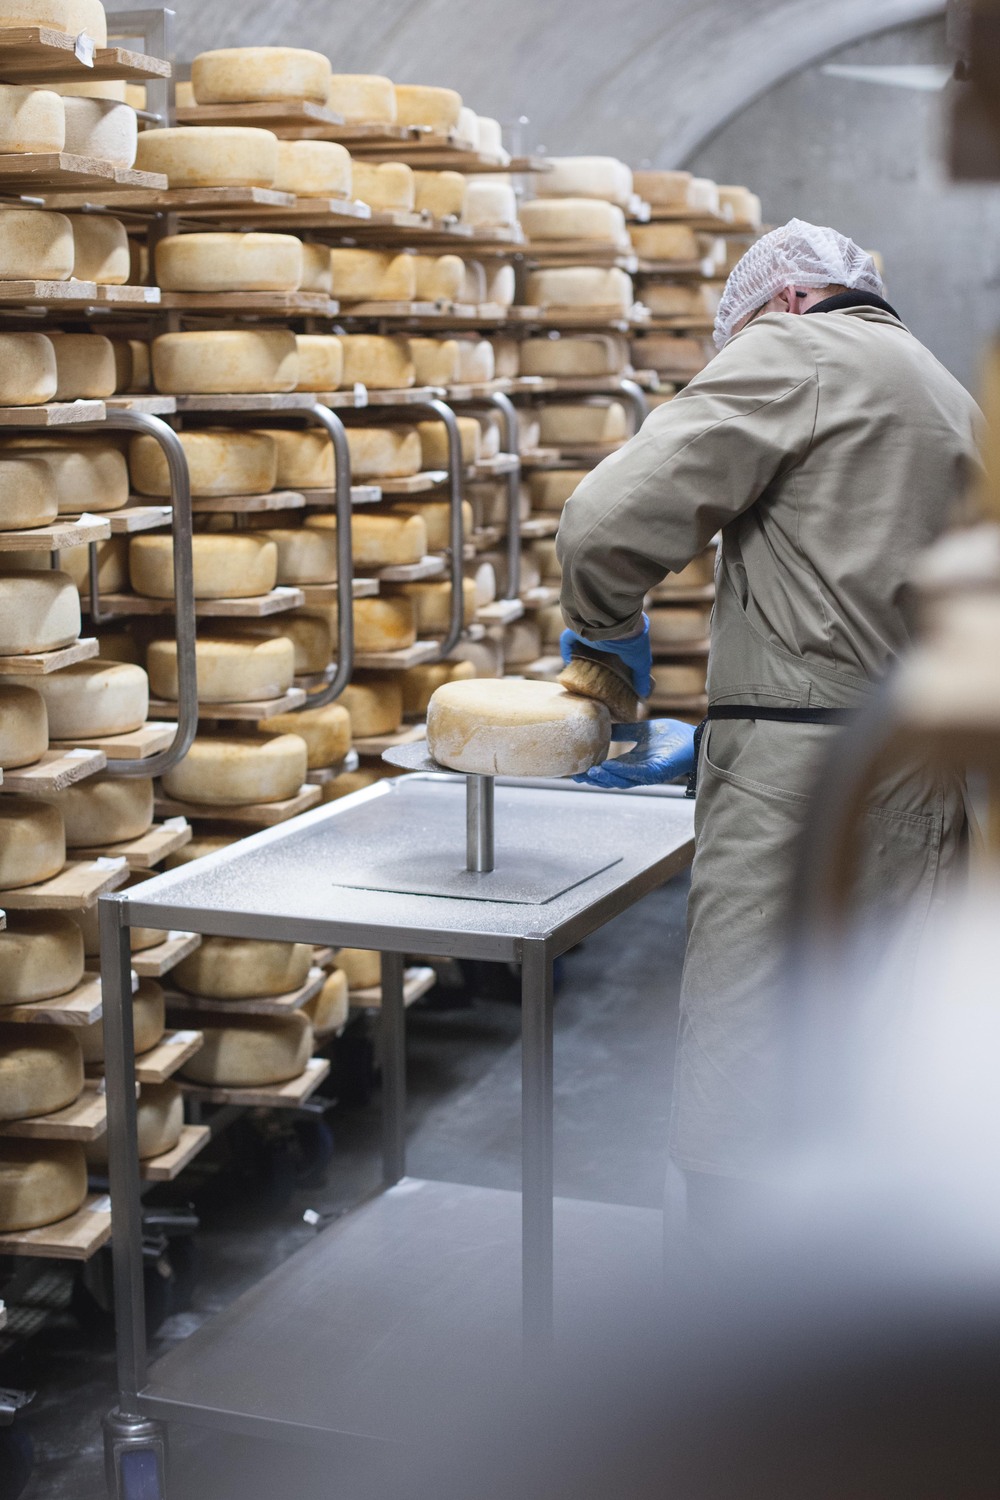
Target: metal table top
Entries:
(287, 882)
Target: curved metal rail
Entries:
(327, 419)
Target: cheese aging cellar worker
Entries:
(828, 447)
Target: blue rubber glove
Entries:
(664, 751)
(634, 651)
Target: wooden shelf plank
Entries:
(431, 566)
(322, 775)
(545, 669)
(247, 504)
(83, 1120)
(397, 661)
(170, 1053)
(205, 202)
(75, 1238)
(147, 851)
(52, 414)
(40, 663)
(170, 1164)
(47, 171)
(39, 54)
(533, 527)
(361, 494)
(80, 1007)
(255, 608)
(284, 304)
(153, 963)
(500, 612)
(76, 887)
(267, 1005)
(138, 744)
(293, 699)
(416, 983)
(256, 814)
(274, 1096)
(57, 537)
(139, 515)
(269, 116)
(540, 597)
(362, 396)
(266, 401)
(151, 406)
(56, 770)
(414, 484)
(322, 594)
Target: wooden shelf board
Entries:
(500, 612)
(319, 595)
(361, 494)
(170, 1053)
(267, 1096)
(268, 1005)
(244, 504)
(151, 406)
(416, 983)
(414, 484)
(377, 744)
(269, 116)
(285, 304)
(205, 202)
(330, 213)
(139, 744)
(56, 770)
(139, 515)
(397, 661)
(541, 597)
(431, 566)
(153, 963)
(52, 171)
(263, 709)
(534, 527)
(170, 1164)
(40, 663)
(257, 814)
(83, 1120)
(81, 1007)
(478, 390)
(75, 1238)
(57, 536)
(76, 887)
(599, 319)
(545, 669)
(494, 468)
(52, 414)
(262, 403)
(128, 297)
(363, 396)
(147, 851)
(255, 608)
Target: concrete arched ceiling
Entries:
(648, 80)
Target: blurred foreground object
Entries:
(974, 34)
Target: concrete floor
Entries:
(615, 1024)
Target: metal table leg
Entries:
(392, 1038)
(536, 1147)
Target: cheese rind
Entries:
(27, 366)
(234, 565)
(159, 1122)
(41, 956)
(516, 728)
(24, 725)
(419, 684)
(436, 518)
(28, 495)
(252, 1051)
(326, 731)
(440, 194)
(603, 177)
(317, 269)
(376, 361)
(745, 205)
(229, 669)
(41, 1182)
(361, 98)
(662, 189)
(436, 108)
(362, 966)
(304, 458)
(432, 604)
(221, 461)
(39, 611)
(92, 698)
(380, 540)
(575, 423)
(321, 361)
(226, 770)
(101, 128)
(579, 355)
(440, 278)
(223, 968)
(574, 219)
(305, 554)
(372, 276)
(85, 366)
(87, 473)
(32, 842)
(308, 630)
(31, 120)
(434, 448)
(72, 16)
(100, 250)
(329, 1010)
(387, 187)
(41, 1070)
(489, 205)
(314, 169)
(239, 361)
(384, 624)
(105, 810)
(666, 242)
(251, 262)
(194, 156)
(580, 286)
(375, 705)
(384, 452)
(260, 75)
(435, 361)
(148, 1024)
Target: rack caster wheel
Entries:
(17, 1458)
(134, 1458)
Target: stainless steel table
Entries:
(383, 869)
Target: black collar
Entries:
(841, 300)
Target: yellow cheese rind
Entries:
(384, 624)
(362, 967)
(440, 278)
(578, 355)
(436, 108)
(384, 452)
(329, 1010)
(148, 1024)
(440, 194)
(314, 169)
(308, 630)
(432, 604)
(100, 250)
(31, 120)
(85, 366)
(223, 968)
(372, 276)
(434, 442)
(583, 422)
(28, 495)
(326, 731)
(159, 1122)
(305, 554)
(252, 1051)
(321, 361)
(93, 698)
(35, 244)
(361, 98)
(199, 849)
(39, 611)
(221, 461)
(489, 204)
(516, 728)
(27, 368)
(374, 703)
(237, 361)
(574, 219)
(210, 262)
(194, 156)
(41, 1070)
(379, 362)
(436, 517)
(380, 540)
(580, 286)
(105, 810)
(87, 473)
(317, 269)
(229, 669)
(745, 205)
(387, 187)
(662, 189)
(600, 177)
(101, 128)
(260, 75)
(71, 16)
(304, 458)
(667, 242)
(522, 643)
(41, 956)
(226, 770)
(234, 565)
(32, 842)
(435, 361)
(24, 725)
(41, 1182)
(420, 683)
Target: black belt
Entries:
(757, 711)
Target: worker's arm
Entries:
(698, 462)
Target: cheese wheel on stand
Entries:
(374, 703)
(24, 725)
(32, 121)
(41, 956)
(41, 1070)
(251, 1051)
(148, 1025)
(101, 128)
(229, 669)
(92, 698)
(362, 98)
(219, 262)
(39, 611)
(260, 75)
(41, 1182)
(224, 968)
(516, 728)
(227, 770)
(195, 156)
(237, 361)
(235, 565)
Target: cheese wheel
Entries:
(436, 108)
(229, 263)
(105, 88)
(576, 355)
(675, 623)
(221, 461)
(506, 356)
(27, 364)
(432, 604)
(101, 249)
(24, 725)
(72, 16)
(41, 1182)
(436, 518)
(680, 679)
(516, 728)
(229, 669)
(93, 698)
(224, 968)
(39, 611)
(105, 810)
(672, 354)
(227, 770)
(87, 473)
(501, 286)
(240, 361)
(159, 1118)
(236, 565)
(440, 278)
(440, 194)
(580, 286)
(744, 205)
(434, 442)
(362, 967)
(589, 177)
(304, 458)
(543, 552)
(32, 842)
(194, 156)
(666, 242)
(489, 204)
(140, 367)
(491, 501)
(317, 269)
(499, 562)
(260, 75)
(674, 300)
(467, 129)
(383, 364)
(305, 554)
(41, 956)
(314, 169)
(148, 1024)
(31, 120)
(522, 643)
(384, 452)
(574, 219)
(476, 364)
(490, 134)
(309, 632)
(418, 684)
(251, 1051)
(435, 361)
(329, 1010)
(85, 366)
(28, 495)
(387, 187)
(486, 656)
(326, 731)
(362, 98)
(662, 189)
(475, 283)
(583, 422)
(380, 539)
(703, 196)
(41, 1070)
(484, 579)
(372, 276)
(384, 624)
(374, 703)
(211, 843)
(551, 624)
(101, 128)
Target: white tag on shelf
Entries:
(360, 394)
(110, 862)
(83, 46)
(175, 825)
(79, 754)
(311, 1217)
(182, 1038)
(101, 1205)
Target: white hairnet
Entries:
(799, 255)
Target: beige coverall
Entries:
(830, 449)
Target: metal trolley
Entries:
(318, 1351)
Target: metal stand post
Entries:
(536, 1147)
(392, 1039)
(479, 855)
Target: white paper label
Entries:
(79, 754)
(176, 825)
(360, 394)
(106, 862)
(183, 1038)
(311, 1216)
(101, 1205)
(84, 49)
